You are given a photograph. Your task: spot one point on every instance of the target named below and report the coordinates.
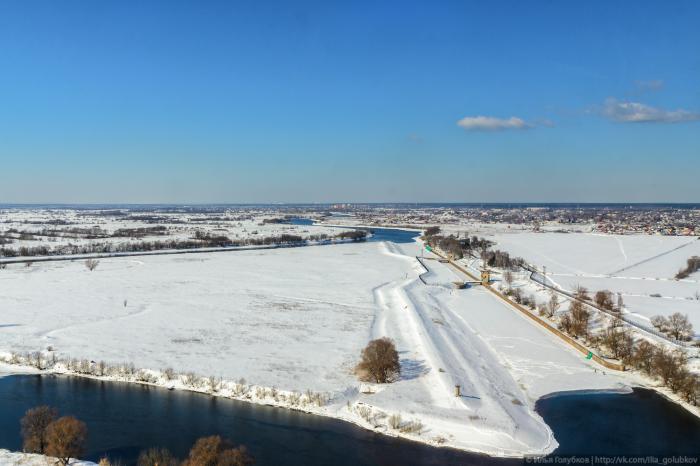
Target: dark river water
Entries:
(124, 418)
(638, 424)
(378, 234)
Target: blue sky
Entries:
(207, 101)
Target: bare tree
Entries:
(238, 456)
(676, 326)
(431, 231)
(394, 421)
(508, 278)
(565, 323)
(679, 327)
(692, 267)
(66, 439)
(660, 323)
(690, 387)
(37, 360)
(156, 457)
(620, 303)
(517, 295)
(667, 364)
(379, 361)
(579, 318)
(168, 373)
(643, 356)
(553, 305)
(215, 451)
(619, 341)
(214, 384)
(91, 264)
(581, 292)
(604, 299)
(34, 424)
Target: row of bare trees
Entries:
(669, 366)
(201, 240)
(128, 372)
(456, 248)
(64, 438)
(619, 343)
(501, 259)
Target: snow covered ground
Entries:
(502, 362)
(296, 319)
(54, 228)
(27, 459)
(639, 267)
(256, 314)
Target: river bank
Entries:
(125, 418)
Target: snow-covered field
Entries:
(54, 228)
(639, 267)
(296, 319)
(259, 315)
(27, 459)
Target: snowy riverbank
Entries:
(16, 458)
(292, 323)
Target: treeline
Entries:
(619, 343)
(693, 265)
(457, 248)
(501, 259)
(63, 438)
(201, 240)
(86, 233)
(140, 232)
(654, 361)
(275, 220)
(355, 235)
(127, 372)
(675, 326)
(452, 245)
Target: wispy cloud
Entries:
(635, 112)
(415, 138)
(650, 85)
(485, 123)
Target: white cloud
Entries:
(484, 123)
(635, 112)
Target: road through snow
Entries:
(502, 362)
(296, 319)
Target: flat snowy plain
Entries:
(297, 319)
(640, 267)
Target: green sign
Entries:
(590, 355)
(428, 248)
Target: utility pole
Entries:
(544, 277)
